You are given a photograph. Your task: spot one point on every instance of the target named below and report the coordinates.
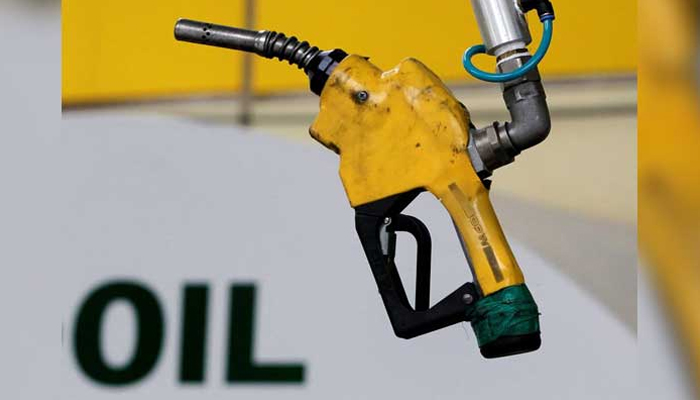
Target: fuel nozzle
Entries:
(316, 63)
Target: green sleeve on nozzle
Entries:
(509, 312)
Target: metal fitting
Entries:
(512, 61)
(502, 25)
(530, 121)
(490, 148)
(497, 145)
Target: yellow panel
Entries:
(116, 50)
(120, 50)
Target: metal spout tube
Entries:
(318, 65)
(268, 44)
(218, 35)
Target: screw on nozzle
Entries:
(316, 63)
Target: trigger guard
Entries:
(414, 226)
(383, 218)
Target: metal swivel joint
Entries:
(506, 36)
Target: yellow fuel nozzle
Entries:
(401, 132)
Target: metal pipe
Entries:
(506, 36)
(218, 35)
(530, 121)
(498, 144)
(502, 25)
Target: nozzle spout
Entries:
(317, 64)
(220, 36)
(268, 44)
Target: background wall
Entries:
(124, 50)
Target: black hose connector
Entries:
(321, 67)
(543, 7)
(317, 64)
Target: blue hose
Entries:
(547, 21)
